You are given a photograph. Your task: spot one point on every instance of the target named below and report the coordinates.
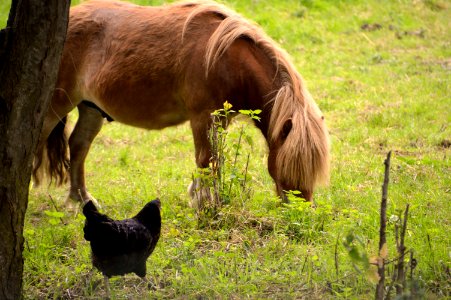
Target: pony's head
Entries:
(298, 141)
(297, 135)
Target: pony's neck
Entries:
(263, 103)
(261, 82)
(261, 96)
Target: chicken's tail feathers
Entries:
(157, 202)
(150, 214)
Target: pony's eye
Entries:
(286, 129)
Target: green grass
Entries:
(381, 90)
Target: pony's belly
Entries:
(149, 118)
(137, 101)
(140, 107)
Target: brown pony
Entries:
(153, 67)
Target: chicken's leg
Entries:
(150, 285)
(107, 286)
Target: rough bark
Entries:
(30, 52)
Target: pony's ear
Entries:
(286, 129)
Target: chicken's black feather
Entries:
(121, 247)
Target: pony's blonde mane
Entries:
(303, 159)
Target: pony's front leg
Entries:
(89, 123)
(199, 190)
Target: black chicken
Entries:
(121, 247)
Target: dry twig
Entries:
(382, 236)
(401, 276)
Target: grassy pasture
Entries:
(382, 88)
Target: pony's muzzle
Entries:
(283, 194)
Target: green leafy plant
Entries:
(355, 246)
(225, 178)
(302, 221)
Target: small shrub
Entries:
(225, 178)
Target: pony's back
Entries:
(118, 52)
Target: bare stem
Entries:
(336, 255)
(56, 208)
(401, 278)
(382, 236)
(237, 152)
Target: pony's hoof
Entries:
(91, 198)
(74, 201)
(71, 205)
(199, 195)
(195, 203)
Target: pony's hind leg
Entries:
(51, 160)
(89, 123)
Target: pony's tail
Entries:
(52, 159)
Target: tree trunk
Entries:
(30, 52)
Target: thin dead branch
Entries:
(56, 208)
(380, 289)
(401, 248)
(336, 255)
